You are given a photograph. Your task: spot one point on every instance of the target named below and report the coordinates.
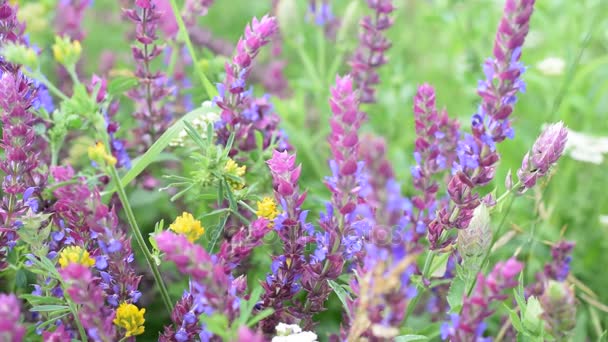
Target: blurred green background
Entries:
(442, 42)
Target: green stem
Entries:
(425, 270)
(140, 240)
(40, 77)
(321, 53)
(70, 302)
(309, 65)
(209, 88)
(508, 192)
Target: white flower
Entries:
(293, 333)
(200, 123)
(305, 336)
(551, 66)
(287, 329)
(586, 148)
(604, 220)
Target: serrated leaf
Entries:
(343, 296)
(410, 338)
(456, 295)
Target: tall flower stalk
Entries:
(152, 116)
(477, 155)
(342, 226)
(373, 44)
(295, 233)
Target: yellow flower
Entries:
(188, 226)
(267, 208)
(75, 255)
(98, 154)
(66, 51)
(233, 169)
(130, 318)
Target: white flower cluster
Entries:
(293, 333)
(551, 66)
(586, 148)
(200, 123)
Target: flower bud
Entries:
(20, 54)
(559, 305)
(66, 51)
(474, 241)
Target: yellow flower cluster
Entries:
(99, 154)
(129, 317)
(75, 255)
(233, 169)
(188, 226)
(66, 51)
(267, 208)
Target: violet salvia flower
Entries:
(477, 155)
(321, 13)
(22, 183)
(284, 282)
(10, 317)
(557, 269)
(389, 206)
(435, 146)
(469, 325)
(11, 31)
(242, 114)
(68, 21)
(342, 226)
(241, 244)
(373, 45)
(546, 151)
(211, 288)
(117, 146)
(83, 220)
(152, 115)
(194, 9)
(84, 290)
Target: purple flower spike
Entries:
(153, 116)
(436, 140)
(295, 233)
(546, 151)
(10, 316)
(477, 155)
(373, 45)
(345, 224)
(469, 325)
(211, 288)
(22, 183)
(95, 315)
(241, 113)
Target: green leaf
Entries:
(439, 265)
(140, 164)
(41, 300)
(260, 316)
(342, 295)
(456, 294)
(47, 308)
(121, 84)
(217, 324)
(410, 338)
(514, 319)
